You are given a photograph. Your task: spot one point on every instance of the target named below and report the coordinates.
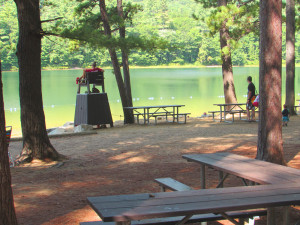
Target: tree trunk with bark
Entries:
(36, 143)
(128, 115)
(270, 147)
(290, 56)
(228, 81)
(125, 63)
(7, 209)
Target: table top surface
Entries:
(155, 106)
(182, 203)
(251, 169)
(230, 104)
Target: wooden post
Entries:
(286, 215)
(271, 216)
(203, 177)
(221, 175)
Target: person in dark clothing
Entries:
(250, 100)
(285, 116)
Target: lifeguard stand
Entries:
(92, 107)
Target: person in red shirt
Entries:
(94, 69)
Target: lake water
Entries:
(197, 88)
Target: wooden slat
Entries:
(185, 194)
(242, 170)
(139, 213)
(252, 193)
(168, 205)
(194, 219)
(172, 184)
(256, 167)
(279, 168)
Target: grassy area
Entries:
(149, 67)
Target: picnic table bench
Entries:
(280, 187)
(123, 209)
(158, 111)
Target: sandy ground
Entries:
(127, 159)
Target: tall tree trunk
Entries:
(228, 82)
(126, 73)
(128, 115)
(36, 143)
(269, 146)
(290, 55)
(7, 209)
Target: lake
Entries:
(197, 88)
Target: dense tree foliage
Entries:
(168, 19)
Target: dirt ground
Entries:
(126, 160)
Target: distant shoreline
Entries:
(149, 67)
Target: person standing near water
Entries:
(94, 69)
(250, 99)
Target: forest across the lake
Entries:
(169, 20)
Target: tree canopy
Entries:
(171, 20)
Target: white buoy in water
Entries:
(52, 106)
(118, 100)
(151, 98)
(172, 97)
(191, 97)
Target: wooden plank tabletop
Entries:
(168, 204)
(251, 169)
(155, 106)
(230, 104)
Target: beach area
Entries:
(125, 160)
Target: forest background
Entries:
(170, 20)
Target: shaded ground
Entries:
(126, 160)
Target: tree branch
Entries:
(46, 21)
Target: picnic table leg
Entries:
(177, 114)
(145, 116)
(221, 175)
(203, 186)
(148, 116)
(173, 114)
(271, 216)
(224, 113)
(221, 114)
(286, 215)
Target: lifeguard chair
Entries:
(94, 78)
(92, 107)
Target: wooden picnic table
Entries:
(231, 107)
(144, 111)
(123, 209)
(280, 187)
(246, 168)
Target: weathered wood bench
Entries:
(124, 209)
(231, 112)
(172, 184)
(194, 219)
(178, 115)
(155, 115)
(213, 114)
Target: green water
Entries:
(197, 88)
